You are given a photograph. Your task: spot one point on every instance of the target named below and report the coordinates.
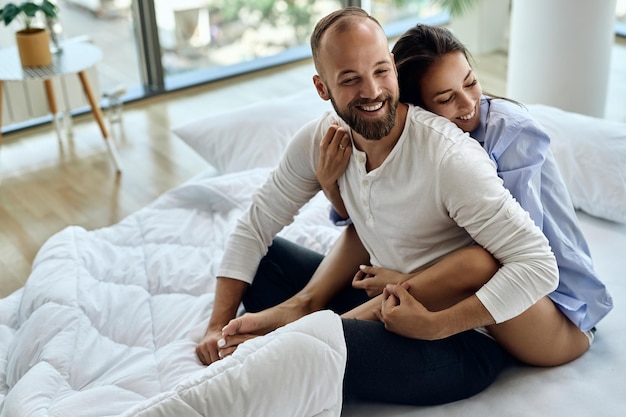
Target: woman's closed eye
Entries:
(472, 84)
(447, 100)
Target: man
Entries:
(417, 190)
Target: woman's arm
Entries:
(335, 151)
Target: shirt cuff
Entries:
(337, 219)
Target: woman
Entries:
(434, 73)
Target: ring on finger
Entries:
(340, 146)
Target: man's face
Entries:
(359, 77)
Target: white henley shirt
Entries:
(437, 191)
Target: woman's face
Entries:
(450, 89)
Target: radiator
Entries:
(26, 100)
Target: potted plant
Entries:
(33, 43)
(456, 7)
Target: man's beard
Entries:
(371, 129)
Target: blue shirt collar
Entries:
(480, 132)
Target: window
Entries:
(215, 38)
(155, 46)
(620, 18)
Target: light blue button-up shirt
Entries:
(521, 150)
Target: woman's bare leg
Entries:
(541, 336)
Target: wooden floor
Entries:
(47, 183)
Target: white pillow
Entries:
(253, 136)
(591, 154)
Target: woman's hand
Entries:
(374, 279)
(335, 151)
(227, 344)
(404, 315)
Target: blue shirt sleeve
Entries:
(519, 147)
(337, 219)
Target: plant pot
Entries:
(33, 46)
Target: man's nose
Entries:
(370, 88)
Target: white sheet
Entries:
(108, 321)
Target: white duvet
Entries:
(107, 323)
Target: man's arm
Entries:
(274, 205)
(228, 295)
(333, 275)
(477, 201)
(404, 315)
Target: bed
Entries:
(107, 322)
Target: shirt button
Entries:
(366, 204)
(361, 159)
(365, 182)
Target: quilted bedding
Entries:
(107, 323)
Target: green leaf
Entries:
(29, 9)
(10, 12)
(456, 7)
(49, 9)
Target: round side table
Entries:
(75, 58)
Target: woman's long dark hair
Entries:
(416, 50)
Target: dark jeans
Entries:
(381, 365)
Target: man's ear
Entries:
(320, 87)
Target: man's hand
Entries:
(228, 294)
(374, 279)
(207, 350)
(404, 315)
